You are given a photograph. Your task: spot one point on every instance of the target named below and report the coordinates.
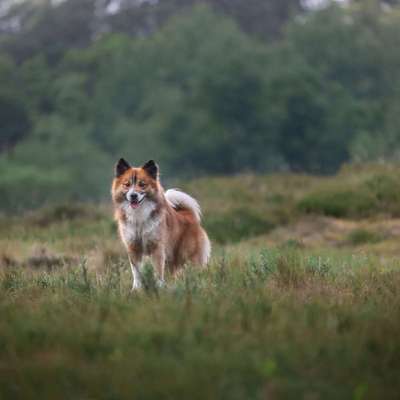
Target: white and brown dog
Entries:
(151, 222)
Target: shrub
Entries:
(363, 236)
(63, 211)
(386, 190)
(338, 203)
(235, 225)
(377, 193)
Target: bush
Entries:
(386, 190)
(235, 225)
(62, 212)
(363, 236)
(376, 194)
(29, 187)
(339, 203)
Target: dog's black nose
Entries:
(133, 197)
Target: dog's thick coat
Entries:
(151, 222)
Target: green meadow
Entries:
(300, 301)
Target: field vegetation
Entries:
(300, 300)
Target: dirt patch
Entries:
(314, 231)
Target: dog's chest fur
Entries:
(140, 226)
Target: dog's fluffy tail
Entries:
(181, 200)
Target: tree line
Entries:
(204, 87)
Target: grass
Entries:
(292, 306)
(279, 325)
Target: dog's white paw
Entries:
(160, 283)
(137, 285)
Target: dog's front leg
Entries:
(136, 264)
(137, 276)
(159, 262)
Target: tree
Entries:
(49, 29)
(264, 19)
(314, 119)
(14, 121)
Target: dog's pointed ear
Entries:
(151, 168)
(120, 167)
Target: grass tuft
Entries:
(362, 236)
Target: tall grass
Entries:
(287, 322)
(281, 324)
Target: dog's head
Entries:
(135, 186)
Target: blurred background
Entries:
(205, 87)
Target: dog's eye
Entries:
(127, 184)
(142, 184)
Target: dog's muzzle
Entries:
(135, 198)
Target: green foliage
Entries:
(375, 193)
(29, 187)
(338, 202)
(236, 225)
(14, 121)
(54, 27)
(363, 236)
(196, 90)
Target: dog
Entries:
(162, 225)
